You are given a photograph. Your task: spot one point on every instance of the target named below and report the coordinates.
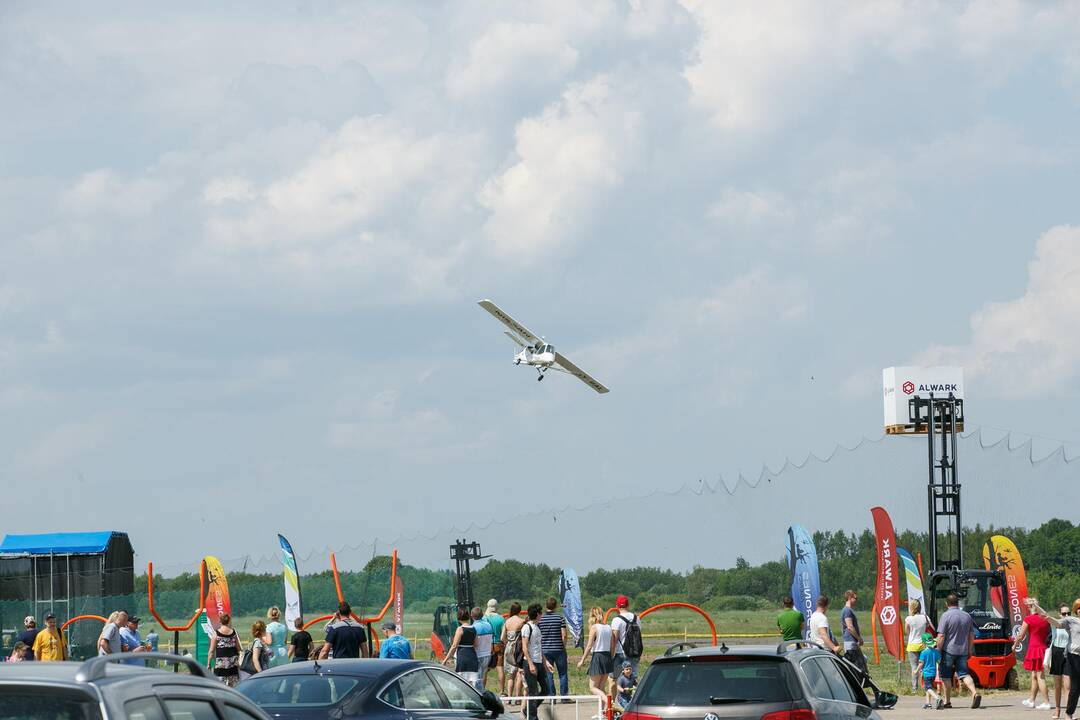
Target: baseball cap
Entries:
(622, 601)
(133, 619)
(28, 620)
(928, 640)
(389, 625)
(626, 664)
(492, 605)
(50, 616)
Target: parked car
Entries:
(103, 689)
(372, 689)
(789, 681)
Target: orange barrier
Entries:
(198, 610)
(662, 606)
(77, 618)
(341, 597)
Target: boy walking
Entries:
(928, 666)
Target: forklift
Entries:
(993, 663)
(446, 622)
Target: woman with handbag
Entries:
(224, 653)
(257, 656)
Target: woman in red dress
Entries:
(1037, 629)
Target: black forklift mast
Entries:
(940, 417)
(461, 553)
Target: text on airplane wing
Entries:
(580, 374)
(509, 322)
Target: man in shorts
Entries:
(1058, 645)
(956, 640)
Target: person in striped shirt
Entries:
(553, 645)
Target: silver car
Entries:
(102, 689)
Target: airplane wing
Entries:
(520, 330)
(515, 338)
(580, 374)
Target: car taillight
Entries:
(631, 715)
(788, 715)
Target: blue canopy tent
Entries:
(66, 573)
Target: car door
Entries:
(463, 701)
(414, 696)
(846, 703)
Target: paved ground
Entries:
(997, 705)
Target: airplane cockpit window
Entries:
(549, 348)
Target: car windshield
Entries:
(46, 703)
(708, 681)
(297, 690)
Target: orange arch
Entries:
(77, 618)
(150, 599)
(661, 606)
(341, 597)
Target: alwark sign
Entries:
(928, 388)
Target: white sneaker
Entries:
(1043, 706)
(1028, 703)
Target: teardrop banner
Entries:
(570, 591)
(217, 591)
(1000, 553)
(399, 604)
(294, 607)
(887, 596)
(914, 579)
(805, 581)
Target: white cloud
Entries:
(509, 55)
(567, 161)
(1029, 344)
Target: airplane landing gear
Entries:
(540, 375)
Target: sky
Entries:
(242, 248)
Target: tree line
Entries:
(1051, 555)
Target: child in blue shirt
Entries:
(928, 666)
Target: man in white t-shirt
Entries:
(819, 627)
(619, 625)
(533, 662)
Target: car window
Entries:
(147, 708)
(460, 695)
(232, 712)
(271, 691)
(694, 682)
(854, 683)
(190, 709)
(819, 687)
(838, 686)
(46, 703)
(413, 691)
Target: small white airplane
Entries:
(537, 352)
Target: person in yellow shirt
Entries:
(49, 645)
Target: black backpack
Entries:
(632, 645)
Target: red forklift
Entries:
(993, 663)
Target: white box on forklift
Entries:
(903, 383)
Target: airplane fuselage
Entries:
(528, 356)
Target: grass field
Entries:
(660, 630)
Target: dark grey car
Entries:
(793, 681)
(102, 689)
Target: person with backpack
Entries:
(512, 655)
(626, 629)
(535, 667)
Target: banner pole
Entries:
(873, 632)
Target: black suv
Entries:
(789, 681)
(103, 689)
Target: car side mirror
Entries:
(885, 700)
(492, 703)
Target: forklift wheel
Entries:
(1012, 680)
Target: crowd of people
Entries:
(939, 655)
(527, 650)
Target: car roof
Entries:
(67, 673)
(374, 668)
(793, 650)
